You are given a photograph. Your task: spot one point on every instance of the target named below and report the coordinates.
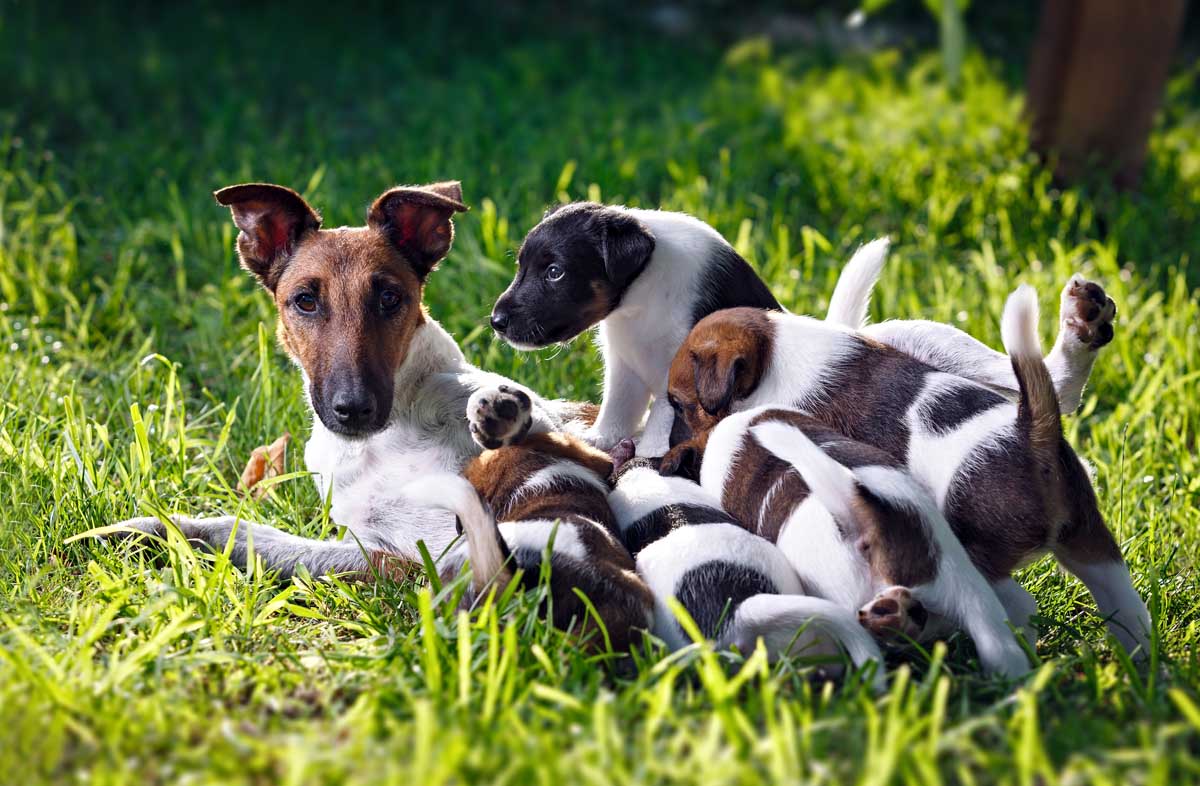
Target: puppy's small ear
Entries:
(272, 220)
(717, 377)
(417, 221)
(682, 461)
(625, 245)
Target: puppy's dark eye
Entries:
(555, 273)
(674, 402)
(389, 301)
(305, 302)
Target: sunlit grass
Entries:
(138, 369)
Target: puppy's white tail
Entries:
(832, 484)
(777, 619)
(852, 294)
(485, 547)
(1038, 410)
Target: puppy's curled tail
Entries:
(1038, 413)
(485, 547)
(852, 294)
(777, 619)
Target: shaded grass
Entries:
(138, 370)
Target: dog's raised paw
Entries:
(1087, 312)
(499, 416)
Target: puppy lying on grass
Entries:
(1001, 473)
(736, 586)
(549, 493)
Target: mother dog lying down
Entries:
(1004, 477)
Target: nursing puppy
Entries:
(647, 276)
(387, 385)
(1001, 473)
(736, 586)
(548, 492)
(860, 531)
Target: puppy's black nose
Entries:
(353, 408)
(499, 320)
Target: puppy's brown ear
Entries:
(625, 245)
(683, 461)
(717, 371)
(272, 220)
(417, 221)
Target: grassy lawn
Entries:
(138, 369)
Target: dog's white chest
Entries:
(359, 472)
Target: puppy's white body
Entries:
(640, 337)
(697, 555)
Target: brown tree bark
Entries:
(1096, 78)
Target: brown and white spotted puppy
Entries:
(859, 530)
(550, 491)
(1001, 473)
(737, 587)
(388, 387)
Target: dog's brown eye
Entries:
(305, 302)
(389, 301)
(554, 273)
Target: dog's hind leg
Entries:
(1085, 325)
(1087, 548)
(280, 551)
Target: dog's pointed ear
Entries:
(417, 219)
(272, 220)
(625, 245)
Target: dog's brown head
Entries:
(721, 361)
(349, 299)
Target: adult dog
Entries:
(388, 386)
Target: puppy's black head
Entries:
(572, 270)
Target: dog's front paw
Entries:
(499, 416)
(1087, 312)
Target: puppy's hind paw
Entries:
(499, 416)
(1086, 314)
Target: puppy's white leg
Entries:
(656, 436)
(1019, 605)
(1117, 600)
(280, 551)
(623, 407)
(1085, 325)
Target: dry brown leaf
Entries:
(266, 461)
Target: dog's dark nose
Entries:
(499, 320)
(353, 408)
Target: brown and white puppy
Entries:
(388, 386)
(1001, 473)
(738, 588)
(546, 495)
(859, 530)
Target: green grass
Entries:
(138, 370)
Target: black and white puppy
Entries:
(736, 586)
(647, 276)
